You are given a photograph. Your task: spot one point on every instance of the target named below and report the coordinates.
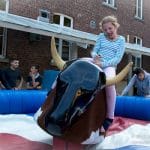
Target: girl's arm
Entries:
(147, 91)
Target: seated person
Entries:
(141, 81)
(34, 80)
(11, 76)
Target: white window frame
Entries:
(139, 5)
(137, 57)
(110, 3)
(7, 6)
(60, 42)
(62, 17)
(136, 40)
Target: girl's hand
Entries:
(98, 64)
(97, 57)
(97, 60)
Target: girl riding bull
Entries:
(107, 53)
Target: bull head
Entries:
(67, 104)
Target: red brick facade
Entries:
(82, 12)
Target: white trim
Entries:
(139, 6)
(137, 49)
(30, 25)
(7, 6)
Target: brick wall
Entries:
(82, 12)
(28, 52)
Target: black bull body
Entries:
(76, 106)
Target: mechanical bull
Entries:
(76, 105)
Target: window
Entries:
(139, 9)
(56, 19)
(2, 4)
(63, 20)
(44, 13)
(34, 37)
(93, 24)
(63, 46)
(111, 3)
(43, 16)
(137, 41)
(67, 22)
(3, 33)
(137, 60)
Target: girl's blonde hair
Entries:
(111, 19)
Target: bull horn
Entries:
(120, 76)
(57, 59)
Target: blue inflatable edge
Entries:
(29, 101)
(134, 147)
(133, 107)
(22, 101)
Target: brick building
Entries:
(84, 15)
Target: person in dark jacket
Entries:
(11, 76)
(141, 81)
